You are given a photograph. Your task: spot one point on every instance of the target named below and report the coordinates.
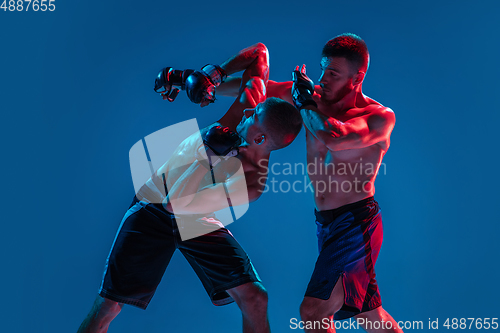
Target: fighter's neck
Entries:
(355, 99)
(256, 156)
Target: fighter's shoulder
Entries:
(376, 107)
(375, 110)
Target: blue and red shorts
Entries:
(349, 241)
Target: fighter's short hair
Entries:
(351, 47)
(282, 122)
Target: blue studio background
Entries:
(76, 92)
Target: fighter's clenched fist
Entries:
(302, 88)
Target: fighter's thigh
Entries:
(219, 260)
(143, 245)
(312, 307)
(216, 249)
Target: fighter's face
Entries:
(250, 123)
(336, 79)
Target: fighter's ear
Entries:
(259, 139)
(358, 78)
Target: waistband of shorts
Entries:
(160, 210)
(327, 216)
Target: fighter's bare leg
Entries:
(252, 299)
(378, 315)
(100, 316)
(316, 310)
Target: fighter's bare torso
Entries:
(348, 175)
(185, 154)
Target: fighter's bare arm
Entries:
(213, 198)
(185, 197)
(233, 84)
(374, 125)
(274, 89)
(363, 127)
(188, 198)
(230, 87)
(252, 85)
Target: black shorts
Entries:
(145, 242)
(349, 240)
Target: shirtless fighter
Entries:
(343, 128)
(149, 233)
(347, 135)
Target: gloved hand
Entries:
(302, 89)
(167, 79)
(220, 143)
(200, 85)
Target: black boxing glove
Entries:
(200, 85)
(169, 77)
(220, 143)
(302, 90)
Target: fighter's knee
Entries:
(101, 315)
(252, 294)
(307, 310)
(112, 307)
(317, 309)
(257, 295)
(105, 307)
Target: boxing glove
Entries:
(220, 143)
(302, 90)
(200, 85)
(169, 79)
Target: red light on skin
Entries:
(368, 187)
(288, 138)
